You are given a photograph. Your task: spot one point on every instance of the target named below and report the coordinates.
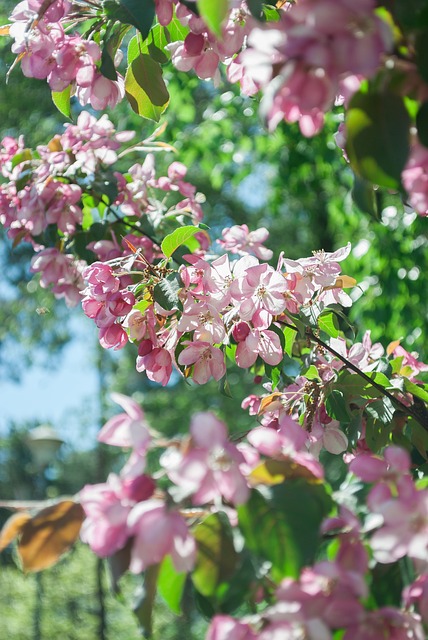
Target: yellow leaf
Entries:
(49, 534)
(266, 402)
(392, 345)
(272, 472)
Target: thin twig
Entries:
(407, 410)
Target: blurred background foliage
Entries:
(300, 189)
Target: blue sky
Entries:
(64, 397)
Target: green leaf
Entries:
(290, 337)
(419, 437)
(61, 100)
(256, 8)
(139, 13)
(337, 407)
(364, 196)
(387, 584)
(175, 30)
(411, 13)
(142, 305)
(421, 50)
(112, 41)
(274, 374)
(134, 48)
(213, 12)
(415, 390)
(87, 219)
(422, 124)
(145, 88)
(379, 423)
(23, 156)
(171, 585)
(144, 600)
(327, 322)
(166, 291)
(216, 559)
(377, 126)
(282, 525)
(271, 14)
(175, 239)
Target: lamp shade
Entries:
(43, 442)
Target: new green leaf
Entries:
(175, 239)
(216, 558)
(213, 12)
(377, 126)
(145, 88)
(61, 100)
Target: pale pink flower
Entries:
(128, 429)
(415, 179)
(261, 294)
(239, 239)
(208, 361)
(417, 593)
(157, 364)
(158, 532)
(204, 319)
(113, 336)
(224, 627)
(209, 468)
(105, 527)
(265, 344)
(102, 92)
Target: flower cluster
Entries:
(47, 52)
(219, 304)
(206, 468)
(51, 196)
(208, 474)
(303, 62)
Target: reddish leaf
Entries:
(49, 534)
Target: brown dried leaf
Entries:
(265, 404)
(50, 534)
(12, 528)
(4, 30)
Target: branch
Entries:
(400, 405)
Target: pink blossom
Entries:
(113, 336)
(158, 532)
(415, 179)
(386, 623)
(107, 507)
(302, 60)
(204, 319)
(261, 294)
(239, 239)
(157, 364)
(105, 528)
(102, 92)
(417, 593)
(208, 361)
(210, 466)
(265, 344)
(224, 627)
(410, 362)
(128, 429)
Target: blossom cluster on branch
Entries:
(252, 519)
(304, 58)
(211, 481)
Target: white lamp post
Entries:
(43, 442)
